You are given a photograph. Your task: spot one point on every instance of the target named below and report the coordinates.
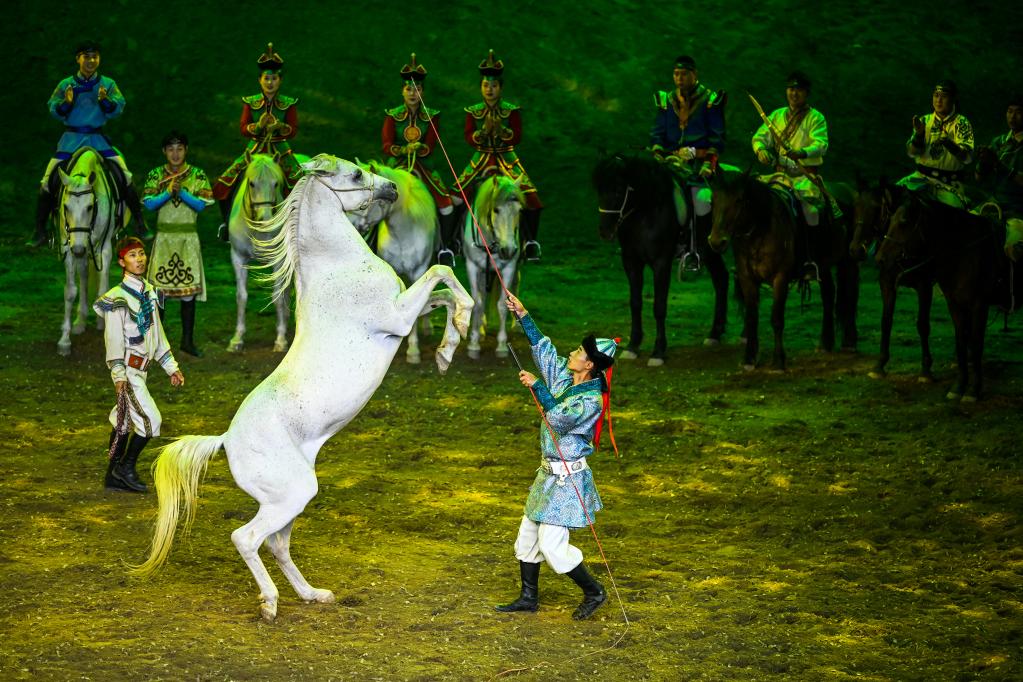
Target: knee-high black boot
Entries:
(44, 208)
(530, 228)
(131, 198)
(449, 244)
(188, 328)
(529, 598)
(225, 217)
(109, 481)
(124, 471)
(593, 592)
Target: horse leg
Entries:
(751, 322)
(279, 544)
(82, 271)
(978, 329)
(662, 280)
(478, 285)
(828, 314)
(886, 281)
(446, 349)
(634, 273)
(781, 293)
(409, 305)
(508, 274)
(848, 301)
(269, 519)
(925, 296)
(719, 278)
(961, 322)
(70, 292)
(412, 355)
(283, 305)
(241, 296)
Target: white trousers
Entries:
(701, 202)
(143, 413)
(538, 542)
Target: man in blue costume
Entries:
(572, 396)
(84, 102)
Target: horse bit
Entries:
(622, 213)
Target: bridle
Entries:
(370, 188)
(882, 219)
(88, 230)
(622, 213)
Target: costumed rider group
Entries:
(84, 102)
(409, 136)
(575, 397)
(689, 135)
(1000, 174)
(135, 342)
(269, 120)
(493, 128)
(794, 140)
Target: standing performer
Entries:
(574, 400)
(419, 139)
(1000, 170)
(799, 154)
(689, 133)
(134, 340)
(178, 191)
(269, 120)
(493, 128)
(84, 102)
(942, 146)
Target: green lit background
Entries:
(817, 525)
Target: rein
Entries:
(622, 213)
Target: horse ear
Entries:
(92, 178)
(64, 177)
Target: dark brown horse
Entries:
(771, 247)
(635, 198)
(969, 265)
(874, 207)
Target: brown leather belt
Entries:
(138, 362)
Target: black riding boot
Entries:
(44, 208)
(530, 227)
(188, 328)
(225, 217)
(449, 244)
(593, 592)
(131, 199)
(109, 481)
(124, 471)
(529, 599)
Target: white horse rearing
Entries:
(351, 313)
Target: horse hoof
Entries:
(78, 328)
(628, 355)
(709, 342)
(876, 374)
(413, 358)
(474, 353)
(655, 362)
(64, 349)
(235, 346)
(321, 597)
(952, 395)
(501, 351)
(748, 367)
(280, 346)
(742, 341)
(268, 611)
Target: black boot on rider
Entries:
(225, 216)
(124, 470)
(529, 598)
(131, 199)
(44, 208)
(109, 481)
(188, 328)
(530, 227)
(449, 245)
(593, 592)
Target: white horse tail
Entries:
(176, 474)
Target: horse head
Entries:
(497, 207)
(365, 197)
(616, 199)
(263, 187)
(80, 205)
(872, 210)
(903, 239)
(731, 196)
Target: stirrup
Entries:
(446, 257)
(688, 261)
(533, 258)
(811, 271)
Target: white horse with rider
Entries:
(90, 215)
(497, 207)
(351, 314)
(261, 189)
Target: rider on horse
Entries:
(178, 192)
(942, 146)
(1000, 170)
(269, 120)
(799, 153)
(689, 132)
(493, 128)
(412, 151)
(84, 102)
